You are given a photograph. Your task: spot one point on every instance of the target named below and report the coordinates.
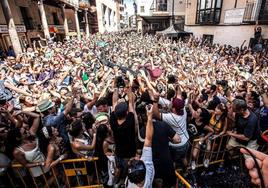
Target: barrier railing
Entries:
(75, 172)
(215, 152)
(69, 173)
(182, 180)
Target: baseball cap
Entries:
(178, 104)
(121, 110)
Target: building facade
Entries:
(226, 21)
(32, 18)
(157, 15)
(108, 14)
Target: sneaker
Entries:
(193, 165)
(220, 170)
(206, 163)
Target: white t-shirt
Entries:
(178, 124)
(147, 158)
(93, 111)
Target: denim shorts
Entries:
(180, 152)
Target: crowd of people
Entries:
(135, 101)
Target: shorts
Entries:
(179, 152)
(252, 144)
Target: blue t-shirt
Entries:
(59, 122)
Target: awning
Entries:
(149, 19)
(172, 31)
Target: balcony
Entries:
(252, 11)
(74, 3)
(159, 8)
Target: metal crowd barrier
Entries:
(74, 172)
(182, 180)
(216, 153)
(68, 173)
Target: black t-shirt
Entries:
(162, 160)
(199, 129)
(124, 136)
(247, 126)
(213, 103)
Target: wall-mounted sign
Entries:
(19, 28)
(234, 16)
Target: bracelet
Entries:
(60, 158)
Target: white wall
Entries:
(179, 7)
(232, 35)
(111, 5)
(147, 5)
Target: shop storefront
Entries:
(5, 41)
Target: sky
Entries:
(129, 6)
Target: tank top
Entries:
(215, 124)
(34, 156)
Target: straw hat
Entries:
(44, 105)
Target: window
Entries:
(161, 5)
(263, 16)
(142, 9)
(55, 18)
(208, 11)
(27, 20)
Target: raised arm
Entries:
(93, 102)
(79, 146)
(115, 98)
(12, 87)
(68, 106)
(149, 127)
(130, 101)
(36, 121)
(155, 98)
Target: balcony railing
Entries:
(252, 11)
(74, 3)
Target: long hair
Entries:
(224, 110)
(12, 141)
(102, 132)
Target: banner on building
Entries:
(234, 16)
(19, 28)
(56, 28)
